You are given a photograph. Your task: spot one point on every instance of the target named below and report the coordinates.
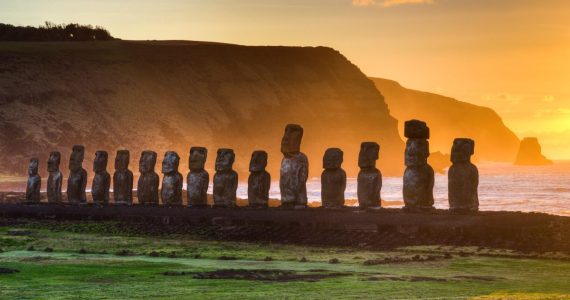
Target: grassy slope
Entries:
(66, 274)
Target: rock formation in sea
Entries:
(530, 153)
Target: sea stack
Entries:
(147, 186)
(369, 177)
(259, 180)
(294, 169)
(225, 179)
(419, 175)
(172, 180)
(123, 179)
(198, 178)
(34, 183)
(55, 178)
(463, 177)
(333, 179)
(530, 153)
(77, 181)
(101, 180)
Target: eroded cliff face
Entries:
(530, 153)
(173, 95)
(449, 118)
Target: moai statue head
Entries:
(170, 162)
(225, 159)
(369, 152)
(122, 160)
(147, 162)
(462, 150)
(76, 158)
(333, 158)
(415, 129)
(33, 167)
(53, 161)
(258, 161)
(291, 142)
(100, 162)
(197, 160)
(417, 152)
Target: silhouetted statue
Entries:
(55, 178)
(419, 175)
(172, 180)
(147, 187)
(77, 180)
(225, 179)
(333, 179)
(369, 177)
(259, 180)
(123, 179)
(294, 169)
(463, 177)
(34, 182)
(198, 179)
(101, 180)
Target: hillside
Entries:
(449, 118)
(173, 95)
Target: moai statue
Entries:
(333, 179)
(123, 179)
(463, 177)
(294, 169)
(198, 179)
(147, 187)
(34, 182)
(419, 175)
(225, 179)
(259, 180)
(77, 180)
(172, 180)
(55, 178)
(369, 177)
(101, 180)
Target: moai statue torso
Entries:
(259, 180)
(294, 169)
(172, 180)
(101, 180)
(198, 179)
(419, 175)
(123, 179)
(463, 178)
(55, 178)
(369, 177)
(225, 179)
(147, 187)
(333, 179)
(77, 180)
(34, 182)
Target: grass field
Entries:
(84, 261)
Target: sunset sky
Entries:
(510, 55)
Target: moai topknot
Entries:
(463, 177)
(333, 179)
(225, 179)
(294, 168)
(369, 177)
(123, 179)
(198, 179)
(147, 187)
(34, 182)
(55, 178)
(77, 180)
(259, 180)
(102, 179)
(172, 180)
(419, 175)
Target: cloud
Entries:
(389, 3)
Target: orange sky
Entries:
(511, 55)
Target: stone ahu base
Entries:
(374, 229)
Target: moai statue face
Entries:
(122, 160)
(415, 129)
(147, 162)
(291, 142)
(333, 158)
(53, 161)
(198, 156)
(170, 162)
(369, 152)
(100, 162)
(33, 167)
(225, 160)
(462, 150)
(258, 161)
(417, 152)
(76, 158)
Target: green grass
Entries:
(67, 274)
